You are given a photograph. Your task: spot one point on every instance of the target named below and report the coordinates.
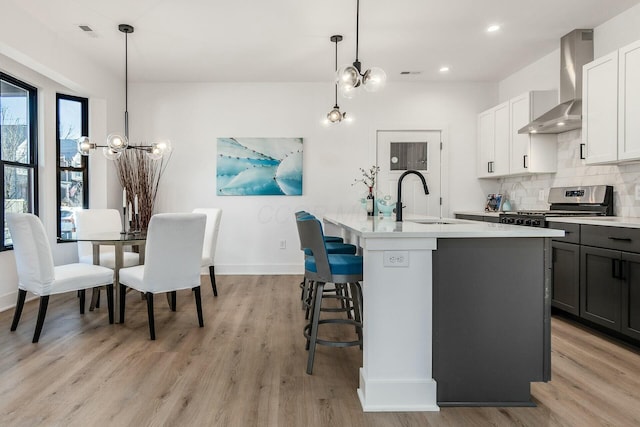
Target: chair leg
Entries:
(95, 297)
(172, 300)
(42, 312)
(317, 303)
(196, 292)
(22, 294)
(123, 292)
(212, 274)
(152, 328)
(110, 302)
(82, 297)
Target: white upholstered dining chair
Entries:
(38, 275)
(95, 221)
(172, 262)
(210, 242)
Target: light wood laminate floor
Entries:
(246, 367)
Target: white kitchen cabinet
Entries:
(531, 153)
(629, 102)
(493, 142)
(600, 109)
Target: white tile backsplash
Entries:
(523, 191)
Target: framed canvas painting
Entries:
(259, 167)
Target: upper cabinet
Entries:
(493, 142)
(600, 109)
(532, 153)
(502, 151)
(629, 102)
(611, 107)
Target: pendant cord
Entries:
(126, 86)
(336, 84)
(357, 27)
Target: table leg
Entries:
(96, 292)
(116, 281)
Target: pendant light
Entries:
(351, 77)
(335, 115)
(116, 143)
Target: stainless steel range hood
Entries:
(576, 50)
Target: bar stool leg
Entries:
(313, 336)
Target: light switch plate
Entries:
(395, 259)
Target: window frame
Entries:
(33, 152)
(84, 168)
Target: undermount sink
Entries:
(431, 221)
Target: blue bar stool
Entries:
(334, 245)
(344, 270)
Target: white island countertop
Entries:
(415, 226)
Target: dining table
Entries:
(119, 240)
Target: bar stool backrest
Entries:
(312, 238)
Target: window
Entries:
(18, 142)
(72, 122)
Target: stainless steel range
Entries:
(566, 201)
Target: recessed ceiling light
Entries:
(560, 123)
(444, 69)
(493, 28)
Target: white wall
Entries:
(193, 115)
(544, 74)
(39, 58)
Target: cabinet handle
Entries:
(582, 147)
(524, 161)
(620, 239)
(490, 167)
(615, 267)
(623, 270)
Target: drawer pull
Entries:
(620, 239)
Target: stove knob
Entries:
(503, 220)
(519, 221)
(527, 222)
(536, 223)
(511, 220)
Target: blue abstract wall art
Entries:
(259, 167)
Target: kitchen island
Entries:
(455, 312)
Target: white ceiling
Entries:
(288, 40)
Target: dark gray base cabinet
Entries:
(610, 278)
(565, 280)
(630, 315)
(600, 289)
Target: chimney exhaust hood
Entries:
(576, 50)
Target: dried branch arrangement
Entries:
(140, 176)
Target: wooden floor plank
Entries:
(246, 367)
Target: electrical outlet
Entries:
(395, 259)
(541, 195)
(637, 191)
(283, 244)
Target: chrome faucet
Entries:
(399, 202)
